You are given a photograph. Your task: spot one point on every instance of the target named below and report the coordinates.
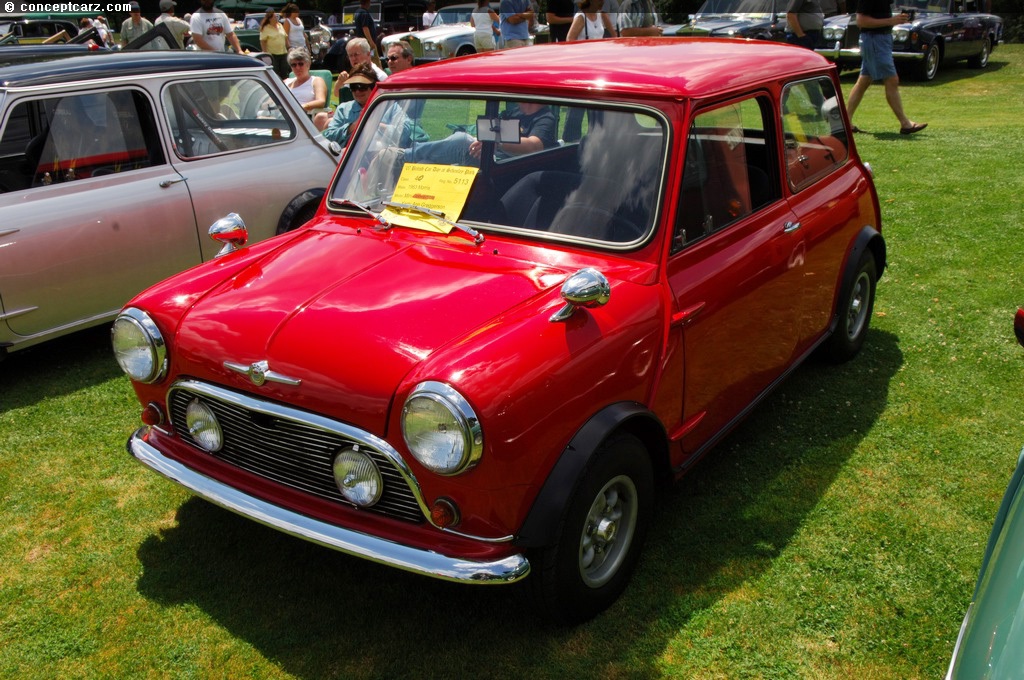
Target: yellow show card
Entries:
(442, 189)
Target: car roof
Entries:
(101, 65)
(652, 67)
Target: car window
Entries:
(220, 116)
(590, 172)
(815, 135)
(728, 170)
(75, 137)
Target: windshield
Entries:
(738, 7)
(583, 172)
(452, 15)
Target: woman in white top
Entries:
(591, 23)
(310, 90)
(292, 22)
(482, 19)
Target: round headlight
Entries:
(441, 429)
(357, 477)
(202, 425)
(900, 34)
(138, 346)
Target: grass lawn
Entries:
(836, 534)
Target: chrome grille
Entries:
(276, 443)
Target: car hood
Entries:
(721, 24)
(441, 32)
(349, 316)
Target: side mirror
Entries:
(586, 288)
(231, 231)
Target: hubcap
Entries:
(858, 311)
(608, 531)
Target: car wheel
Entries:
(299, 211)
(980, 60)
(464, 50)
(600, 535)
(856, 303)
(927, 68)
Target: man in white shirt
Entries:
(211, 28)
(428, 16)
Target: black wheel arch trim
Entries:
(870, 240)
(297, 204)
(542, 522)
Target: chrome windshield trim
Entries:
(416, 560)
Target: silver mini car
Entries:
(113, 165)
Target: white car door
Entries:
(92, 211)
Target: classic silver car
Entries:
(111, 166)
(449, 36)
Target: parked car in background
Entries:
(940, 31)
(112, 163)
(318, 34)
(991, 639)
(449, 36)
(755, 19)
(27, 31)
(470, 364)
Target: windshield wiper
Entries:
(381, 222)
(477, 237)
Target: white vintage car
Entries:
(113, 165)
(449, 36)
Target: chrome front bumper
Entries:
(852, 54)
(426, 562)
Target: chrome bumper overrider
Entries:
(393, 554)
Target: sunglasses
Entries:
(296, 63)
(392, 57)
(360, 87)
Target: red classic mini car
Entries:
(542, 282)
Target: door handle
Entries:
(790, 227)
(168, 182)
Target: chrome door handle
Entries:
(168, 182)
(790, 227)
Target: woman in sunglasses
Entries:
(310, 90)
(361, 81)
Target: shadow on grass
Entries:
(57, 367)
(318, 614)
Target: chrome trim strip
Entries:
(17, 312)
(425, 562)
(8, 232)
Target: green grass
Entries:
(836, 534)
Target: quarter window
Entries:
(63, 139)
(815, 135)
(217, 116)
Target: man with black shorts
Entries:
(875, 20)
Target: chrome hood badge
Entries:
(259, 372)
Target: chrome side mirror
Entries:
(229, 230)
(586, 288)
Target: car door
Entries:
(826, 195)
(92, 211)
(242, 149)
(732, 273)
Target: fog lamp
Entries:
(202, 425)
(357, 477)
(444, 513)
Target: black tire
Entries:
(600, 535)
(299, 211)
(465, 50)
(929, 66)
(980, 60)
(855, 305)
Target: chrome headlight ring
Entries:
(441, 430)
(139, 346)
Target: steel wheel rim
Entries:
(608, 531)
(857, 313)
(932, 61)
